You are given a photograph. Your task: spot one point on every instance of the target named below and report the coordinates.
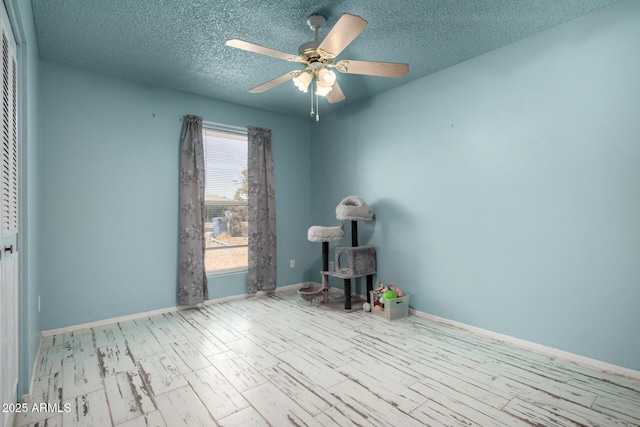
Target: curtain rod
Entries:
(224, 127)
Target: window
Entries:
(225, 201)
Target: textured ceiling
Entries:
(180, 44)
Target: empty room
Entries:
(353, 213)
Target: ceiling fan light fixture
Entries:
(302, 81)
(322, 89)
(327, 77)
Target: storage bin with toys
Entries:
(389, 302)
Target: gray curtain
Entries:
(262, 212)
(192, 277)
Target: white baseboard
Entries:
(26, 398)
(10, 420)
(550, 351)
(111, 320)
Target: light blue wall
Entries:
(110, 191)
(21, 17)
(507, 188)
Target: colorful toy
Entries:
(389, 294)
(398, 292)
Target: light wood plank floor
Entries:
(275, 360)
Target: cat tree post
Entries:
(354, 233)
(325, 268)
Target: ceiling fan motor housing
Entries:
(308, 46)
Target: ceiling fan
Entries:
(317, 58)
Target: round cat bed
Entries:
(311, 293)
(354, 208)
(318, 233)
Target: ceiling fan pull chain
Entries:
(311, 91)
(317, 108)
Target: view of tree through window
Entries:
(226, 221)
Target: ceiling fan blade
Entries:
(251, 47)
(346, 29)
(336, 94)
(373, 68)
(272, 83)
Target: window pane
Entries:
(225, 161)
(226, 225)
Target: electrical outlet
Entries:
(292, 263)
(331, 266)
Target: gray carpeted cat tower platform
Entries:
(351, 262)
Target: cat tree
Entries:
(351, 262)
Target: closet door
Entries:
(9, 220)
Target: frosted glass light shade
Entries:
(327, 77)
(302, 81)
(322, 90)
(324, 82)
